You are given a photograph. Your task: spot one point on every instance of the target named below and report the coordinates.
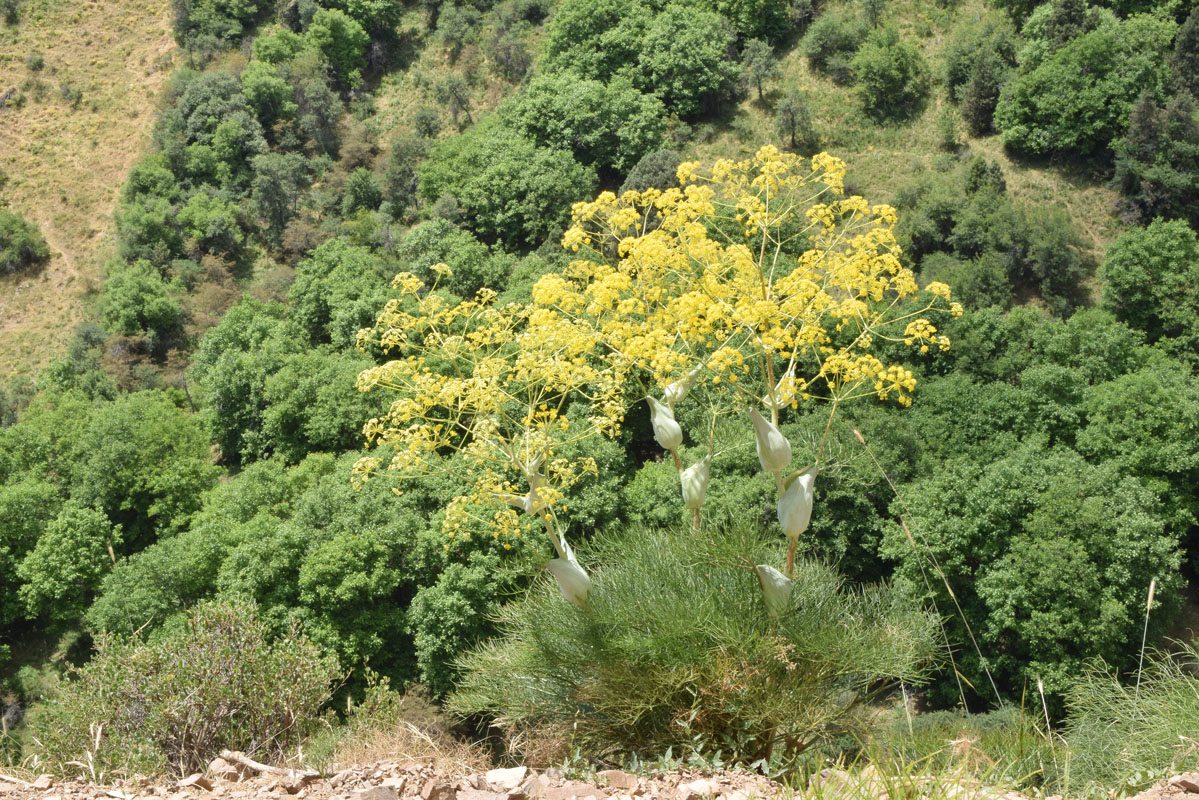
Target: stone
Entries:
(43, 782)
(698, 790)
(435, 789)
(196, 779)
(340, 778)
(505, 780)
(481, 794)
(619, 779)
(574, 791)
(222, 769)
(395, 783)
(376, 793)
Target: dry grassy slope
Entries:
(881, 159)
(65, 166)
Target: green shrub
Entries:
(21, 243)
(832, 40)
(214, 682)
(675, 650)
(684, 60)
(892, 77)
(137, 300)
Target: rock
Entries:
(698, 790)
(505, 780)
(340, 778)
(436, 789)
(396, 783)
(196, 780)
(376, 793)
(43, 782)
(1188, 782)
(481, 794)
(574, 791)
(222, 769)
(619, 779)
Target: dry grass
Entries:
(398, 728)
(66, 165)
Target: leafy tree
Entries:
(211, 224)
(595, 39)
(793, 121)
(137, 300)
(231, 367)
(21, 243)
(1184, 61)
(399, 176)
(277, 45)
(320, 114)
(1079, 99)
(28, 502)
(656, 170)
(1049, 557)
(145, 463)
(758, 65)
(313, 405)
(267, 93)
(505, 184)
(892, 77)
(65, 567)
(377, 17)
(196, 20)
(279, 181)
(342, 41)
(473, 265)
(684, 59)
(457, 25)
(763, 19)
(338, 290)
(361, 192)
(1157, 160)
(1151, 281)
(148, 231)
(831, 42)
(151, 176)
(610, 126)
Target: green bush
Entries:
(137, 300)
(1079, 99)
(21, 243)
(172, 705)
(832, 40)
(892, 77)
(676, 650)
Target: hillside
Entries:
(66, 157)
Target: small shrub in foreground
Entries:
(675, 650)
(21, 244)
(173, 704)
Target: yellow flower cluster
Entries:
(756, 282)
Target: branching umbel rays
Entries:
(751, 290)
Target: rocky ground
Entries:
(238, 778)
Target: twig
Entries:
(243, 759)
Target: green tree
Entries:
(211, 224)
(1157, 159)
(279, 181)
(892, 77)
(342, 41)
(21, 243)
(65, 567)
(595, 39)
(831, 41)
(399, 176)
(684, 60)
(1079, 99)
(144, 462)
(1151, 281)
(361, 192)
(267, 93)
(793, 121)
(28, 502)
(610, 126)
(338, 290)
(231, 367)
(505, 184)
(759, 65)
(137, 300)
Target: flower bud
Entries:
(677, 391)
(572, 580)
(776, 589)
(695, 483)
(795, 505)
(784, 392)
(666, 431)
(774, 451)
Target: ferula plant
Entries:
(752, 288)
